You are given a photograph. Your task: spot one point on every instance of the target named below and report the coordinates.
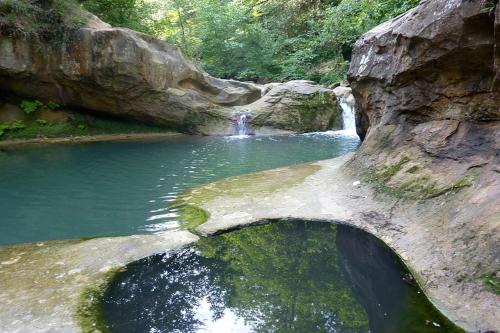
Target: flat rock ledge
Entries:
(45, 283)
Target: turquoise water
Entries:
(283, 277)
(123, 188)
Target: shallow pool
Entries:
(123, 188)
(284, 277)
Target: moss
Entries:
(309, 110)
(192, 216)
(388, 171)
(416, 188)
(265, 182)
(35, 127)
(89, 313)
(413, 169)
(492, 282)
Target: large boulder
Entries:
(297, 106)
(428, 81)
(129, 74)
(119, 72)
(292, 107)
(428, 100)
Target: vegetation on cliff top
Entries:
(47, 20)
(251, 39)
(274, 40)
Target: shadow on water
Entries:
(280, 277)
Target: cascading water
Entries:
(347, 104)
(242, 123)
(348, 117)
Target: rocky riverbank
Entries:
(18, 143)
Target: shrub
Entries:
(52, 106)
(17, 125)
(30, 106)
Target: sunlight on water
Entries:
(122, 188)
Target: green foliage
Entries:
(81, 125)
(277, 271)
(52, 106)
(133, 14)
(251, 39)
(15, 126)
(30, 106)
(492, 282)
(48, 20)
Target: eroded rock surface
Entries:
(128, 74)
(298, 106)
(120, 72)
(417, 231)
(43, 284)
(428, 100)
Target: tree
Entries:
(251, 39)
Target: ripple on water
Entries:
(107, 189)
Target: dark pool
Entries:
(123, 188)
(282, 277)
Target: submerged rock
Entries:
(128, 74)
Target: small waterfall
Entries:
(348, 105)
(242, 123)
(348, 117)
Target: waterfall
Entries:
(242, 123)
(348, 106)
(348, 116)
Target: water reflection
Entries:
(283, 277)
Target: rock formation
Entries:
(297, 106)
(428, 101)
(129, 74)
(426, 85)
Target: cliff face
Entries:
(120, 72)
(129, 74)
(427, 86)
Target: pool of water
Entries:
(123, 188)
(283, 277)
